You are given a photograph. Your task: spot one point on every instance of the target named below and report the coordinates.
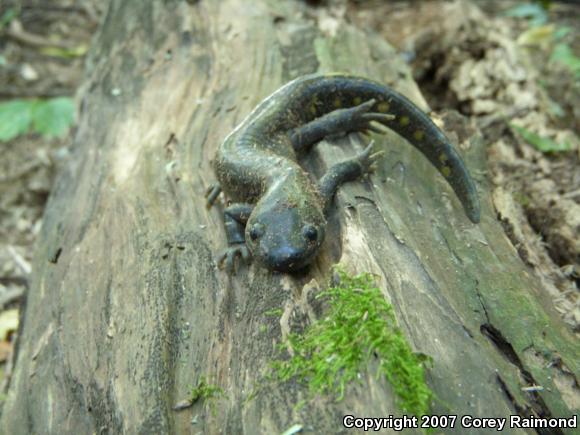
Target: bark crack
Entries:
(537, 405)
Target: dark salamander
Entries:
(278, 214)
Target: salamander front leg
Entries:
(349, 170)
(341, 121)
(235, 219)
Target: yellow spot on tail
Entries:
(443, 158)
(446, 171)
(419, 134)
(383, 107)
(404, 120)
(337, 103)
(357, 101)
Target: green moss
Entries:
(522, 199)
(358, 326)
(276, 312)
(205, 391)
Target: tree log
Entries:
(127, 309)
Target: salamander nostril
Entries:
(310, 232)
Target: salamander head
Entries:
(285, 235)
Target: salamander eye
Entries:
(256, 231)
(310, 232)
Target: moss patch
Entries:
(205, 391)
(358, 326)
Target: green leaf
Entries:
(15, 118)
(65, 53)
(561, 32)
(7, 17)
(533, 11)
(555, 109)
(543, 144)
(539, 35)
(563, 54)
(53, 117)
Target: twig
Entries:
(488, 121)
(54, 8)
(24, 170)
(10, 295)
(20, 261)
(32, 93)
(85, 10)
(19, 34)
(572, 194)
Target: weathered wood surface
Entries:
(134, 311)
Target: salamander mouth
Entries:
(287, 259)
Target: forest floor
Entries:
(514, 78)
(43, 45)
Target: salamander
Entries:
(277, 214)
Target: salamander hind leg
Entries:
(358, 118)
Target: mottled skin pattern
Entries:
(278, 215)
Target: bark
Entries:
(127, 310)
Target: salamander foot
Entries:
(367, 159)
(227, 259)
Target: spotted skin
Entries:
(256, 165)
